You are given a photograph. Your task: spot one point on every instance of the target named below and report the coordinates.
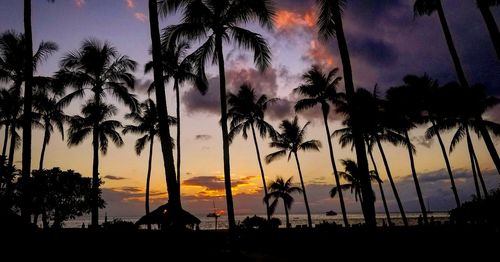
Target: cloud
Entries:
(213, 186)
(130, 4)
(317, 53)
(142, 85)
(79, 3)
(140, 16)
(128, 189)
(110, 177)
(422, 141)
(376, 52)
(288, 20)
(203, 137)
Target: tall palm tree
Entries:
(218, 21)
(12, 108)
(428, 7)
(403, 113)
(147, 124)
(178, 66)
(50, 111)
(95, 123)
(484, 6)
(321, 89)
(352, 175)
(330, 25)
(97, 67)
(379, 181)
(290, 140)
(280, 188)
(246, 111)
(5, 107)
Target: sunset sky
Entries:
(386, 43)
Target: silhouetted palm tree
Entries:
(291, 140)
(147, 125)
(284, 190)
(369, 145)
(352, 175)
(321, 89)
(427, 7)
(217, 21)
(99, 68)
(11, 107)
(484, 6)
(330, 25)
(178, 66)
(95, 123)
(174, 195)
(246, 111)
(5, 107)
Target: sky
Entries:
(386, 43)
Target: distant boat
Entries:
(331, 213)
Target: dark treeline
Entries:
(97, 72)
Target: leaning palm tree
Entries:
(216, 21)
(321, 89)
(291, 140)
(147, 125)
(246, 111)
(99, 69)
(95, 123)
(280, 188)
(179, 67)
(352, 175)
(428, 7)
(330, 25)
(484, 6)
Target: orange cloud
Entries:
(80, 3)
(286, 20)
(140, 16)
(130, 4)
(213, 186)
(319, 54)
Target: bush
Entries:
(484, 211)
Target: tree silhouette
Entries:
(330, 25)
(147, 124)
(11, 107)
(321, 89)
(246, 111)
(97, 67)
(291, 140)
(217, 21)
(284, 190)
(484, 7)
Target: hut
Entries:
(164, 218)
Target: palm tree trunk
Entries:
(391, 180)
(178, 115)
(334, 167)
(266, 200)
(382, 194)
(451, 46)
(472, 163)
(309, 220)
(286, 215)
(415, 179)
(28, 97)
(148, 177)
(5, 140)
(489, 143)
(359, 144)
(44, 145)
(225, 136)
(480, 174)
(12, 148)
(492, 27)
(161, 102)
(448, 166)
(95, 177)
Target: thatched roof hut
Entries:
(164, 218)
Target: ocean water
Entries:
(208, 223)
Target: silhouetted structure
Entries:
(165, 219)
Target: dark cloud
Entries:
(376, 52)
(142, 85)
(128, 189)
(203, 137)
(215, 183)
(280, 110)
(110, 177)
(422, 141)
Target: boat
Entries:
(331, 213)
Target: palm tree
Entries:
(375, 172)
(403, 111)
(99, 68)
(217, 21)
(246, 111)
(428, 7)
(147, 125)
(291, 140)
(284, 190)
(352, 175)
(12, 108)
(179, 67)
(4, 117)
(321, 89)
(95, 122)
(330, 25)
(489, 19)
(50, 111)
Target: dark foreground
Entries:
(406, 244)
